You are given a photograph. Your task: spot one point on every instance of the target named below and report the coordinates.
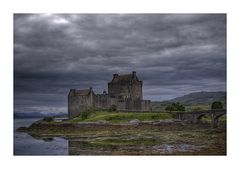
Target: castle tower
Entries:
(126, 86)
(79, 101)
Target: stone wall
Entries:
(121, 105)
(124, 91)
(103, 101)
(146, 105)
(138, 105)
(78, 104)
(125, 86)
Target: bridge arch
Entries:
(196, 117)
(215, 120)
(220, 115)
(199, 117)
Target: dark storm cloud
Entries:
(174, 54)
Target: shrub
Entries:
(113, 108)
(217, 105)
(175, 107)
(48, 119)
(85, 114)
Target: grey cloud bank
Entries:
(174, 54)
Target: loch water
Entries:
(24, 144)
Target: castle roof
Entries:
(125, 77)
(84, 92)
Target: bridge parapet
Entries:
(195, 116)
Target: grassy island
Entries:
(121, 133)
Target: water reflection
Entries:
(25, 144)
(34, 145)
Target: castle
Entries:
(124, 91)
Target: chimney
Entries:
(134, 73)
(72, 92)
(115, 75)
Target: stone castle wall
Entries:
(103, 101)
(125, 87)
(123, 91)
(77, 103)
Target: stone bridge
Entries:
(195, 117)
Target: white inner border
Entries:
(9, 7)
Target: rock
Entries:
(22, 129)
(102, 122)
(86, 123)
(147, 121)
(134, 121)
(167, 122)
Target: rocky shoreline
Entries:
(135, 122)
(162, 137)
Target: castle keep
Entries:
(124, 91)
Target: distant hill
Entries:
(38, 115)
(200, 98)
(193, 100)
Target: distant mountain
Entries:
(200, 98)
(38, 115)
(197, 99)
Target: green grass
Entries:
(138, 141)
(198, 107)
(121, 117)
(223, 118)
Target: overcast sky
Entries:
(174, 54)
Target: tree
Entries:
(175, 107)
(217, 105)
(48, 119)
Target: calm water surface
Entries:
(24, 144)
